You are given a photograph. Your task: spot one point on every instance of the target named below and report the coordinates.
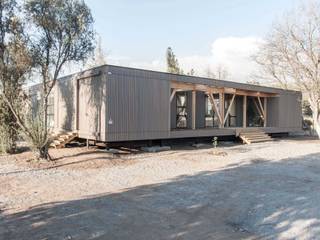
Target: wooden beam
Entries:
(265, 112)
(244, 112)
(229, 109)
(215, 107)
(183, 86)
(173, 94)
(258, 108)
(261, 107)
(194, 109)
(221, 105)
(230, 90)
(254, 94)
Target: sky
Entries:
(204, 34)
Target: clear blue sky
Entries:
(143, 29)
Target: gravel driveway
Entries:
(260, 191)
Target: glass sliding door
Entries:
(181, 117)
(211, 118)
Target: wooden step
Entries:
(254, 136)
(258, 137)
(60, 140)
(253, 133)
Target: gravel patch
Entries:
(266, 191)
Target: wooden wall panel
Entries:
(137, 104)
(290, 111)
(65, 113)
(200, 110)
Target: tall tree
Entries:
(192, 72)
(15, 62)
(291, 54)
(218, 72)
(172, 62)
(62, 32)
(99, 58)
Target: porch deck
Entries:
(207, 132)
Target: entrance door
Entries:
(254, 114)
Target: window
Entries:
(211, 118)
(181, 118)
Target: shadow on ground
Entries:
(263, 199)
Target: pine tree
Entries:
(172, 62)
(99, 58)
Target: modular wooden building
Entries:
(116, 104)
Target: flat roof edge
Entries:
(245, 86)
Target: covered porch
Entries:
(209, 108)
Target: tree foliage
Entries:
(99, 57)
(60, 32)
(306, 109)
(172, 62)
(218, 72)
(15, 62)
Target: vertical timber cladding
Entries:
(91, 107)
(64, 105)
(290, 110)
(137, 104)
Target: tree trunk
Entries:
(42, 150)
(43, 153)
(316, 122)
(315, 115)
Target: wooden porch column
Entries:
(194, 109)
(265, 112)
(244, 113)
(221, 103)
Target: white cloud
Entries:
(234, 53)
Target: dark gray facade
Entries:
(112, 103)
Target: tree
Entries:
(172, 62)
(15, 62)
(290, 54)
(209, 73)
(222, 72)
(306, 109)
(99, 58)
(192, 72)
(62, 33)
(253, 82)
(219, 72)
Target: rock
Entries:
(201, 145)
(297, 134)
(113, 151)
(156, 149)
